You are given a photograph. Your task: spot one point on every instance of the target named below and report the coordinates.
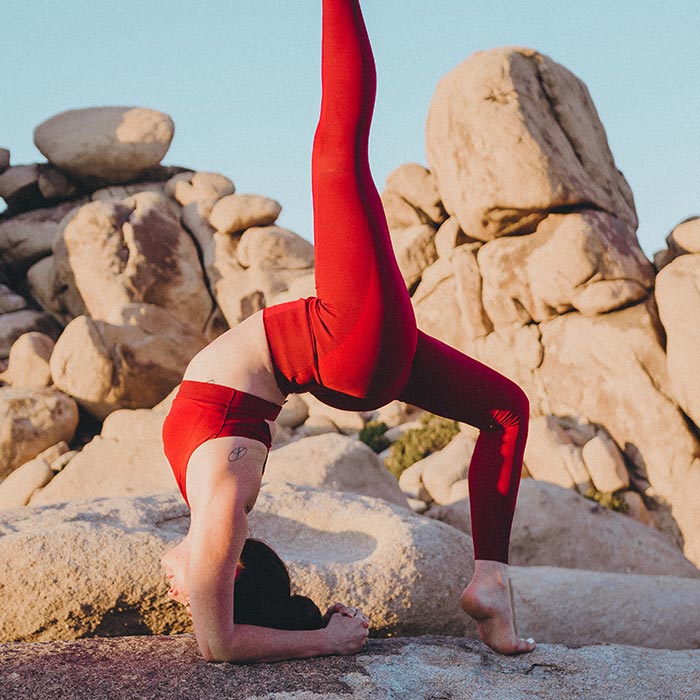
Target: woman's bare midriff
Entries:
(239, 358)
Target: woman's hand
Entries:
(339, 608)
(347, 629)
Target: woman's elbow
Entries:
(212, 652)
(223, 652)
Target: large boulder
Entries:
(529, 142)
(114, 253)
(89, 568)
(114, 144)
(130, 365)
(678, 298)
(571, 606)
(394, 564)
(30, 421)
(333, 462)
(101, 557)
(274, 248)
(125, 459)
(425, 667)
(558, 527)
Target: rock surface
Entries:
(621, 355)
(551, 455)
(18, 185)
(415, 185)
(559, 606)
(10, 301)
(414, 248)
(115, 144)
(678, 297)
(170, 668)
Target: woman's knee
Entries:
(513, 408)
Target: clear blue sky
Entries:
(241, 81)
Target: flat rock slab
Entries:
(420, 668)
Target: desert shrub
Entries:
(611, 501)
(433, 434)
(373, 435)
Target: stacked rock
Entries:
(519, 248)
(116, 270)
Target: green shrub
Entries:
(433, 434)
(373, 435)
(611, 501)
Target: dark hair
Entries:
(262, 593)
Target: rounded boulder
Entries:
(114, 144)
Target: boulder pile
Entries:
(518, 247)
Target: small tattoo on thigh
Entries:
(236, 454)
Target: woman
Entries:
(354, 346)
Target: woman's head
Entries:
(262, 593)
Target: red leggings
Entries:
(355, 345)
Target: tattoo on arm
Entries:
(235, 454)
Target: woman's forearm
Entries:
(251, 644)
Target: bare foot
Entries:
(487, 599)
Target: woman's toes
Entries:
(525, 645)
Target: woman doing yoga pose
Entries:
(354, 346)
